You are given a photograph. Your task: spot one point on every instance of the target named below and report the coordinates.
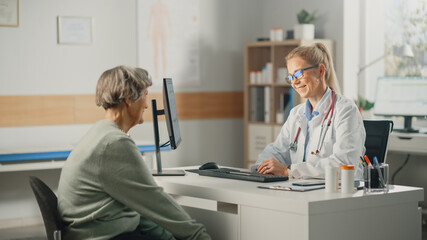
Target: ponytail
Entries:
(318, 54)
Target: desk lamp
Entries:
(399, 51)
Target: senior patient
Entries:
(105, 189)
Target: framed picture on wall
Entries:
(74, 30)
(168, 40)
(9, 13)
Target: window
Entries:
(392, 41)
(405, 36)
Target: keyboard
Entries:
(239, 175)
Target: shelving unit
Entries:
(257, 134)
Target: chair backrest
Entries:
(48, 204)
(377, 133)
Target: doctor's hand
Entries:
(272, 166)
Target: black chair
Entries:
(48, 203)
(377, 133)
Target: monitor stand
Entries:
(159, 171)
(407, 126)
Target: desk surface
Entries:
(247, 193)
(408, 142)
(235, 209)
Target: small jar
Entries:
(273, 34)
(347, 178)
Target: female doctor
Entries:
(326, 130)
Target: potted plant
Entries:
(365, 107)
(305, 27)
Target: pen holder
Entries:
(376, 179)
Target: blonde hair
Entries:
(119, 83)
(318, 54)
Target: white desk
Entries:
(415, 143)
(233, 209)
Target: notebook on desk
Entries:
(238, 174)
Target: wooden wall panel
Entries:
(209, 105)
(81, 109)
(85, 109)
(148, 115)
(36, 110)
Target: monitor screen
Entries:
(170, 113)
(401, 96)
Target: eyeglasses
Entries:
(299, 74)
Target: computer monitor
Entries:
(171, 118)
(402, 96)
(170, 113)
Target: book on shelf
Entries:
(267, 104)
(286, 103)
(282, 74)
(256, 104)
(268, 73)
(260, 104)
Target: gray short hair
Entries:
(119, 83)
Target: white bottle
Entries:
(347, 178)
(273, 34)
(331, 179)
(279, 34)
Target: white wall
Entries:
(371, 45)
(32, 63)
(329, 25)
(38, 65)
(351, 48)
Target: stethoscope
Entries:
(324, 129)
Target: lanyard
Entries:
(323, 131)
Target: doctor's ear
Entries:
(322, 69)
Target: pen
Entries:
(377, 166)
(369, 162)
(276, 188)
(362, 161)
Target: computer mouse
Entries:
(209, 165)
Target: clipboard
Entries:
(308, 183)
(293, 188)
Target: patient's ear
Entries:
(128, 102)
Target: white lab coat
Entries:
(343, 144)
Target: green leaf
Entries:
(305, 17)
(364, 104)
